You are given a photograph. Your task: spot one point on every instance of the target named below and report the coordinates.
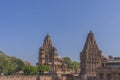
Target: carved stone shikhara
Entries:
(90, 58)
(48, 56)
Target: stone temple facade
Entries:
(110, 70)
(90, 58)
(48, 56)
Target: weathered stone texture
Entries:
(18, 77)
(48, 55)
(90, 57)
(22, 77)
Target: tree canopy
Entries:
(71, 64)
(9, 65)
(33, 70)
(12, 65)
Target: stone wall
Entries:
(22, 77)
(41, 77)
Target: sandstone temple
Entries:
(93, 64)
(90, 58)
(48, 56)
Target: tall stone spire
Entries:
(47, 42)
(47, 51)
(90, 43)
(48, 56)
(90, 57)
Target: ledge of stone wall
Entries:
(23, 77)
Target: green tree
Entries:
(42, 68)
(68, 62)
(27, 70)
(33, 70)
(71, 64)
(9, 65)
(76, 65)
(19, 63)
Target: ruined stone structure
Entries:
(91, 58)
(48, 56)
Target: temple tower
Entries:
(48, 56)
(47, 51)
(90, 58)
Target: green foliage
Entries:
(27, 70)
(19, 63)
(33, 70)
(42, 68)
(71, 64)
(9, 65)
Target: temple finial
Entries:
(90, 32)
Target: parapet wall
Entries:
(23, 77)
(18, 77)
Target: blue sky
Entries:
(24, 24)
